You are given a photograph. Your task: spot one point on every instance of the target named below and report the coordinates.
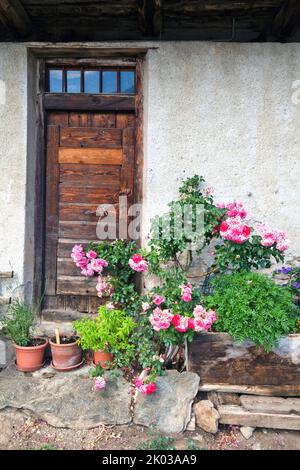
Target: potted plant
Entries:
(18, 324)
(106, 334)
(66, 353)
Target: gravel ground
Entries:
(22, 432)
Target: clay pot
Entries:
(65, 356)
(30, 358)
(102, 358)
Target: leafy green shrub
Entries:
(18, 323)
(252, 306)
(108, 331)
(157, 441)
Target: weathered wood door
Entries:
(90, 161)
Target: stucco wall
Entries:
(225, 111)
(222, 110)
(13, 149)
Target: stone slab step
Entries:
(236, 415)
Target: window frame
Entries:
(94, 68)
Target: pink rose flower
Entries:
(138, 264)
(91, 254)
(148, 389)
(186, 293)
(160, 319)
(180, 323)
(158, 299)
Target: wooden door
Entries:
(90, 161)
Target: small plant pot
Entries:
(102, 358)
(67, 355)
(31, 358)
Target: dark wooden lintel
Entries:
(150, 17)
(81, 102)
(287, 20)
(15, 18)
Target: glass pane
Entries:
(127, 81)
(109, 82)
(55, 81)
(91, 81)
(73, 81)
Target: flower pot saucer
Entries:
(24, 369)
(66, 369)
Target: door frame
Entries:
(42, 105)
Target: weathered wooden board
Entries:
(236, 415)
(220, 360)
(90, 156)
(91, 137)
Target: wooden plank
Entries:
(150, 17)
(78, 119)
(106, 120)
(78, 229)
(91, 137)
(67, 267)
(236, 415)
(77, 303)
(90, 156)
(287, 20)
(274, 405)
(236, 363)
(52, 177)
(57, 119)
(82, 212)
(125, 120)
(65, 246)
(80, 102)
(54, 302)
(88, 195)
(267, 390)
(76, 285)
(6, 274)
(15, 17)
(99, 176)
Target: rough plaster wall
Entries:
(13, 141)
(225, 111)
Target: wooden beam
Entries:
(14, 17)
(150, 17)
(287, 20)
(78, 102)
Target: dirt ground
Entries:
(22, 432)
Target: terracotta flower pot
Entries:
(31, 358)
(67, 355)
(102, 358)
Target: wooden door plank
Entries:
(78, 120)
(82, 212)
(81, 102)
(52, 179)
(74, 285)
(90, 137)
(103, 120)
(88, 195)
(57, 119)
(90, 156)
(98, 176)
(84, 229)
(125, 120)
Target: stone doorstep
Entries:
(236, 415)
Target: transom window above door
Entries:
(91, 80)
